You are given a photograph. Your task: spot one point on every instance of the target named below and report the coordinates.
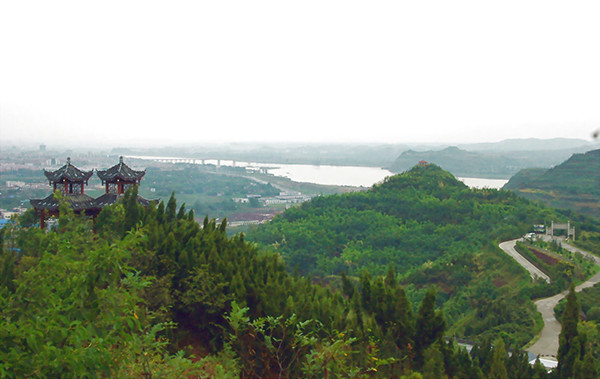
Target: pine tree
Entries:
(171, 208)
(390, 277)
(498, 364)
(434, 363)
(160, 212)
(404, 318)
(464, 365)
(430, 326)
(181, 213)
(518, 366)
(133, 211)
(586, 368)
(365, 290)
(347, 286)
(569, 349)
(539, 371)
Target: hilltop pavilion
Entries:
(117, 180)
(71, 181)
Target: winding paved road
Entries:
(534, 272)
(547, 344)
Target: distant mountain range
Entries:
(529, 144)
(487, 160)
(574, 184)
(495, 160)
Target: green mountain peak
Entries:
(424, 176)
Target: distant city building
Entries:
(42, 147)
(15, 184)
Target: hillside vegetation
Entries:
(154, 294)
(574, 184)
(149, 292)
(431, 229)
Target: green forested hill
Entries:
(431, 229)
(574, 184)
(420, 215)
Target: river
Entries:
(323, 174)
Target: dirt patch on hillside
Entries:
(547, 259)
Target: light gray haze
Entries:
(148, 72)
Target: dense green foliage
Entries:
(589, 299)
(105, 302)
(574, 184)
(433, 230)
(209, 180)
(579, 348)
(570, 346)
(206, 189)
(151, 293)
(412, 218)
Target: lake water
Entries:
(332, 175)
(484, 183)
(324, 174)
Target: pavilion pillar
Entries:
(42, 220)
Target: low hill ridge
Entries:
(459, 162)
(486, 163)
(573, 184)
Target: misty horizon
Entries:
(144, 74)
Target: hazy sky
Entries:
(117, 72)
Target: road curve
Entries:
(547, 344)
(534, 272)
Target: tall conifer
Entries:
(498, 364)
(171, 208)
(430, 326)
(568, 349)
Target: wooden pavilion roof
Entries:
(120, 171)
(78, 202)
(68, 172)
